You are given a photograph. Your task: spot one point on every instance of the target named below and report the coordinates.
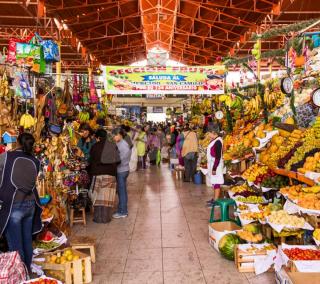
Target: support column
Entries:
(58, 68)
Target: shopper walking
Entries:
(189, 153)
(104, 159)
(153, 146)
(122, 172)
(20, 211)
(141, 140)
(215, 164)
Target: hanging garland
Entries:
(296, 27)
(264, 55)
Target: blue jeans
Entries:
(19, 230)
(122, 192)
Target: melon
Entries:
(227, 244)
(252, 228)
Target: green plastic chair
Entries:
(224, 205)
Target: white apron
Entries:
(218, 177)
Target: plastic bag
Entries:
(50, 51)
(134, 160)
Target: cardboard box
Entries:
(286, 277)
(218, 229)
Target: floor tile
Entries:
(154, 277)
(113, 278)
(187, 277)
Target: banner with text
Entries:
(165, 80)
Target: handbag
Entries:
(110, 153)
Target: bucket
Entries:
(197, 179)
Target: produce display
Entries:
(250, 237)
(306, 197)
(61, 258)
(254, 171)
(42, 280)
(259, 249)
(302, 254)
(251, 199)
(316, 234)
(281, 217)
(241, 188)
(271, 180)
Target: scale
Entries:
(316, 97)
(219, 115)
(286, 85)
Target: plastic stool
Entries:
(224, 205)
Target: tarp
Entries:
(165, 80)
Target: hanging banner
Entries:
(165, 80)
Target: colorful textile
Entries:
(104, 190)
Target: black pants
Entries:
(190, 167)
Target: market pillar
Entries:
(58, 68)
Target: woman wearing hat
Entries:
(215, 162)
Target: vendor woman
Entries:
(86, 141)
(20, 212)
(215, 162)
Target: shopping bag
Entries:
(12, 269)
(50, 51)
(133, 160)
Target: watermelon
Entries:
(227, 244)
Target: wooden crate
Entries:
(245, 260)
(71, 272)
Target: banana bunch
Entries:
(253, 107)
(27, 121)
(84, 116)
(206, 106)
(232, 101)
(4, 86)
(273, 99)
(101, 114)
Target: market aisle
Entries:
(164, 239)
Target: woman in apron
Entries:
(215, 162)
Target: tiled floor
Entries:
(164, 239)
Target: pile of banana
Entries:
(4, 86)
(273, 99)
(27, 121)
(206, 106)
(232, 101)
(253, 107)
(84, 116)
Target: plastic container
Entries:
(197, 179)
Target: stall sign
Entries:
(165, 80)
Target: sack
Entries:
(12, 269)
(102, 214)
(50, 51)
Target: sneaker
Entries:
(119, 215)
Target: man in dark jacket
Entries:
(103, 167)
